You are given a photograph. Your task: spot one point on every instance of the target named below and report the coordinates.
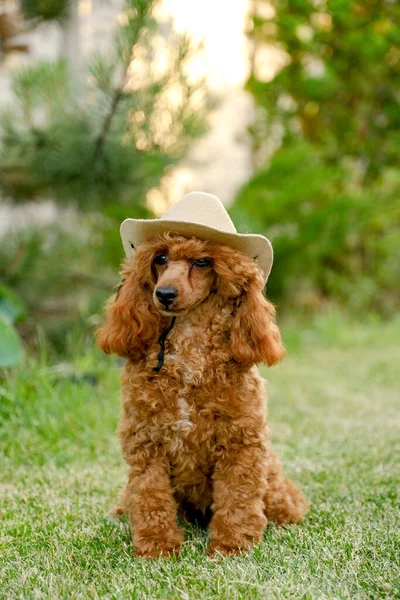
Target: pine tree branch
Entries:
(118, 96)
(143, 9)
(101, 139)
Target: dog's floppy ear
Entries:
(255, 335)
(131, 320)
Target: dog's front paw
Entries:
(237, 534)
(166, 543)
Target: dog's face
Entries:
(172, 275)
(183, 280)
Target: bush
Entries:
(329, 197)
(61, 273)
(12, 310)
(332, 240)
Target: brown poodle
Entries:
(192, 322)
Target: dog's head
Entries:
(171, 276)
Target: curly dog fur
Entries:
(194, 434)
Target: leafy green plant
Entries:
(338, 86)
(12, 309)
(63, 272)
(329, 197)
(332, 241)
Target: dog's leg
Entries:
(238, 509)
(152, 511)
(284, 501)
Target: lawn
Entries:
(334, 416)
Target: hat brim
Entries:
(138, 231)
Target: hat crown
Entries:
(203, 209)
(203, 216)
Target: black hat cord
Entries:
(161, 341)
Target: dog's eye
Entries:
(202, 262)
(161, 259)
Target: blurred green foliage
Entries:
(106, 137)
(46, 10)
(12, 309)
(61, 272)
(331, 241)
(95, 142)
(329, 197)
(339, 88)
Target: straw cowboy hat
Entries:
(204, 216)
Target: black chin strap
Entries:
(161, 341)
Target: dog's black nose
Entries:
(166, 295)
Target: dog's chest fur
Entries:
(193, 395)
(196, 349)
(190, 356)
(192, 371)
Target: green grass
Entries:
(334, 415)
